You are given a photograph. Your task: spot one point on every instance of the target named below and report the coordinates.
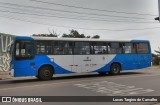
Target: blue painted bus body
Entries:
(27, 68)
(24, 68)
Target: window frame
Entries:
(103, 44)
(53, 52)
(132, 47)
(148, 46)
(120, 44)
(92, 47)
(45, 43)
(90, 52)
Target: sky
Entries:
(110, 19)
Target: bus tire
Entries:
(45, 73)
(115, 69)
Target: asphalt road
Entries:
(144, 82)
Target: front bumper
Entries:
(11, 72)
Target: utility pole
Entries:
(157, 18)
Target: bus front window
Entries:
(24, 50)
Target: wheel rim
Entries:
(116, 69)
(47, 73)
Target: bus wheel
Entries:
(45, 73)
(102, 73)
(115, 69)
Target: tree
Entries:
(155, 59)
(88, 36)
(44, 35)
(52, 34)
(74, 34)
(157, 51)
(96, 36)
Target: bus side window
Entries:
(40, 47)
(44, 47)
(114, 48)
(82, 48)
(67, 48)
(142, 48)
(99, 48)
(127, 48)
(62, 48)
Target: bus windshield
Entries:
(24, 50)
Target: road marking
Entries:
(67, 82)
(113, 89)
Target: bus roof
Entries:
(74, 39)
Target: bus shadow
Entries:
(76, 76)
(93, 76)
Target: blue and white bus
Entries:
(44, 57)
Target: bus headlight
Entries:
(52, 59)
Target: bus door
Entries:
(81, 56)
(24, 58)
(99, 57)
(89, 56)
